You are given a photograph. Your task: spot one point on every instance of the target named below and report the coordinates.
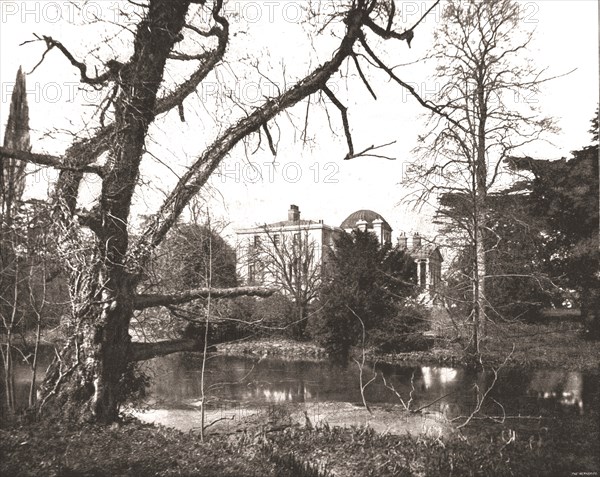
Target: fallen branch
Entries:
(144, 351)
(143, 301)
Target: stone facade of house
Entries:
(293, 237)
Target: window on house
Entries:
(276, 239)
(256, 240)
(260, 273)
(251, 272)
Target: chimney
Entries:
(378, 230)
(362, 225)
(416, 241)
(294, 213)
(403, 241)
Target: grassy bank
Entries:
(274, 347)
(134, 449)
(554, 343)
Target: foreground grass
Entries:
(134, 449)
(478, 452)
(54, 449)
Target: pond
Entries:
(238, 387)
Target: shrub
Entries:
(363, 280)
(273, 316)
(277, 315)
(233, 319)
(403, 332)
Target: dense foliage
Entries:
(517, 285)
(565, 195)
(365, 283)
(193, 256)
(274, 316)
(543, 240)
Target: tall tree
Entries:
(16, 136)
(518, 284)
(12, 184)
(481, 116)
(106, 263)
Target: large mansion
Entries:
(297, 248)
(266, 252)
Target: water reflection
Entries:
(562, 387)
(438, 376)
(451, 392)
(278, 393)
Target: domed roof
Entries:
(367, 215)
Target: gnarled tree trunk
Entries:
(96, 357)
(86, 381)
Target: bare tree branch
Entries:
(367, 152)
(144, 351)
(387, 33)
(362, 75)
(200, 171)
(344, 112)
(47, 160)
(269, 139)
(143, 301)
(114, 68)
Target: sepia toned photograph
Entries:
(299, 238)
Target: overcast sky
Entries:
(310, 173)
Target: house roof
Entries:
(425, 251)
(367, 215)
(287, 225)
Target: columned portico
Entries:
(423, 273)
(428, 259)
